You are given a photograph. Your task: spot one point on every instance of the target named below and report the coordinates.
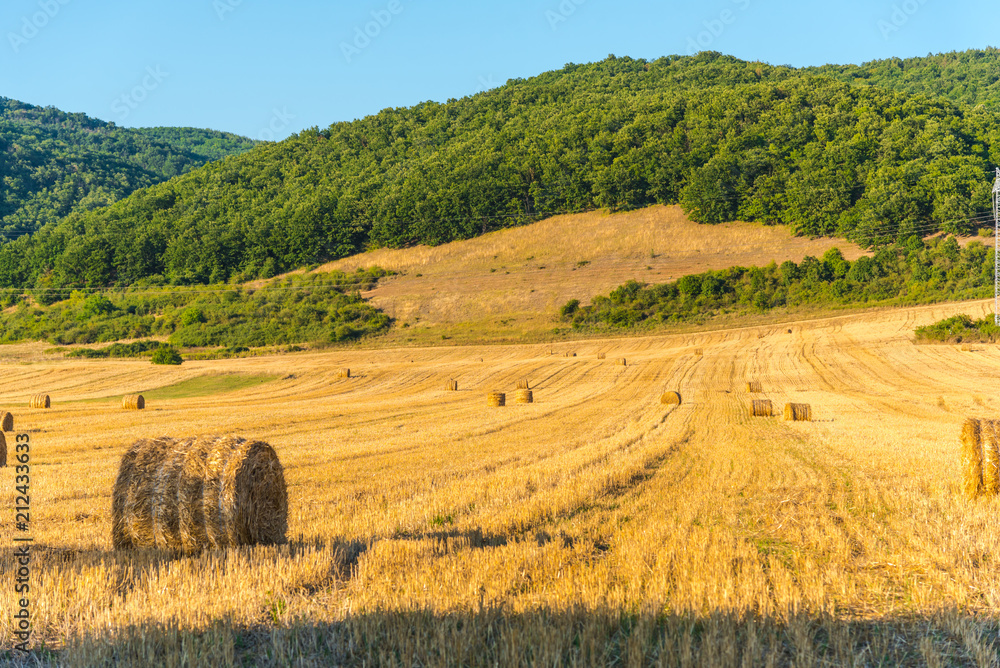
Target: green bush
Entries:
(167, 355)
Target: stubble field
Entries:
(592, 527)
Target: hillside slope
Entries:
(54, 163)
(727, 139)
(508, 285)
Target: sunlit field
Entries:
(595, 526)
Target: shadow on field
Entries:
(490, 636)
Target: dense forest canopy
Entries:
(971, 77)
(726, 139)
(53, 163)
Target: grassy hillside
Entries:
(54, 163)
(724, 138)
(508, 285)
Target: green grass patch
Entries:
(200, 386)
(203, 386)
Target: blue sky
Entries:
(266, 70)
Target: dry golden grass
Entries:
(510, 283)
(596, 527)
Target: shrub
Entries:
(167, 355)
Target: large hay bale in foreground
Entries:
(972, 458)
(188, 494)
(133, 402)
(671, 398)
(798, 413)
(7, 422)
(496, 399)
(452, 385)
(990, 435)
(40, 401)
(762, 408)
(523, 384)
(524, 397)
(754, 386)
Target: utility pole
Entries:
(996, 249)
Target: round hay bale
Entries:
(622, 361)
(194, 493)
(699, 352)
(602, 356)
(798, 412)
(671, 398)
(3, 450)
(496, 399)
(345, 373)
(762, 408)
(754, 386)
(972, 458)
(966, 348)
(40, 401)
(133, 402)
(789, 331)
(524, 396)
(990, 436)
(523, 384)
(7, 422)
(452, 385)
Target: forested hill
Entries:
(965, 77)
(727, 139)
(53, 163)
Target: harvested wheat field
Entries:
(595, 526)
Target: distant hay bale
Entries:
(972, 458)
(345, 373)
(522, 384)
(453, 385)
(7, 422)
(523, 397)
(754, 386)
(990, 435)
(133, 402)
(789, 331)
(622, 361)
(496, 399)
(670, 398)
(40, 401)
(798, 413)
(762, 408)
(699, 352)
(194, 493)
(601, 356)
(966, 348)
